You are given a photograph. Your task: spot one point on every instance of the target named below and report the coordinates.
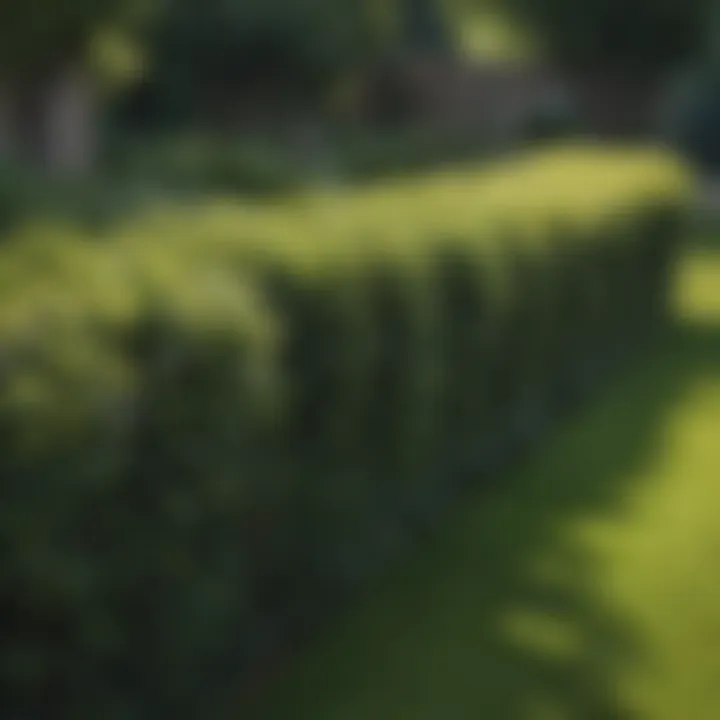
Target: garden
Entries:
(349, 374)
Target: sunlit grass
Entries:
(586, 585)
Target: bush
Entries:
(271, 167)
(217, 426)
(550, 122)
(120, 496)
(206, 165)
(373, 155)
(28, 195)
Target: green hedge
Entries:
(215, 427)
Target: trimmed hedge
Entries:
(220, 424)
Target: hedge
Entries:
(219, 424)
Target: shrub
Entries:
(549, 121)
(272, 167)
(371, 156)
(218, 425)
(28, 195)
(206, 165)
(127, 451)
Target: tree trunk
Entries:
(49, 121)
(70, 123)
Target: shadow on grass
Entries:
(502, 616)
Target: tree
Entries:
(693, 113)
(47, 98)
(37, 36)
(425, 25)
(616, 53)
(210, 55)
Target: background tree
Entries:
(616, 53)
(225, 57)
(426, 25)
(38, 36)
(47, 86)
(693, 112)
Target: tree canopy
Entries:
(291, 48)
(36, 35)
(643, 35)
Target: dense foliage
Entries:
(220, 56)
(263, 165)
(426, 25)
(638, 36)
(221, 422)
(37, 35)
(695, 122)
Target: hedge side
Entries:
(219, 424)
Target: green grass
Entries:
(584, 586)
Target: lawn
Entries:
(587, 586)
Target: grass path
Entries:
(586, 588)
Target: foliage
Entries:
(639, 36)
(213, 54)
(176, 168)
(37, 35)
(567, 594)
(427, 25)
(694, 108)
(551, 121)
(374, 155)
(219, 424)
(263, 165)
(253, 165)
(27, 194)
